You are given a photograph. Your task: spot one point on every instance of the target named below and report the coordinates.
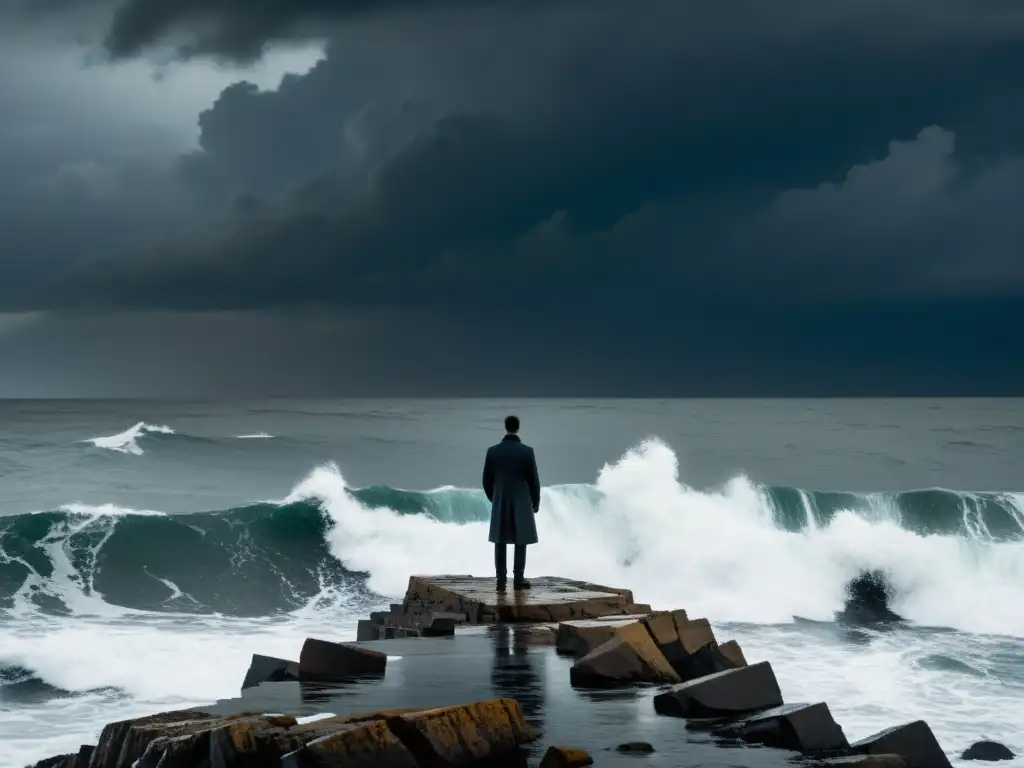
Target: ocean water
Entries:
(148, 548)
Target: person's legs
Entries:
(500, 563)
(519, 567)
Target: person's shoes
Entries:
(520, 584)
(501, 584)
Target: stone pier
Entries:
(435, 605)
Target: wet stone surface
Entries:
(501, 661)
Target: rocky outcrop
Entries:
(268, 669)
(805, 728)
(631, 656)
(914, 742)
(988, 751)
(324, 661)
(566, 757)
(122, 743)
(407, 738)
(730, 693)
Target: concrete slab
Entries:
(550, 599)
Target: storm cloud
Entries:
(748, 188)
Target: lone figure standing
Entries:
(512, 486)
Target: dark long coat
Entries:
(512, 486)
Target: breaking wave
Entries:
(743, 552)
(130, 440)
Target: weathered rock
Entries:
(989, 751)
(630, 656)
(462, 734)
(708, 660)
(580, 637)
(693, 635)
(550, 599)
(865, 761)
(84, 755)
(122, 743)
(635, 748)
(566, 757)
(244, 740)
(665, 626)
(732, 651)
(370, 744)
(805, 728)
(268, 669)
(914, 742)
(324, 661)
(729, 693)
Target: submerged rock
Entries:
(566, 757)
(635, 748)
(989, 751)
(867, 601)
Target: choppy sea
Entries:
(148, 548)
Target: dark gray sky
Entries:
(672, 197)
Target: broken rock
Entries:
(324, 661)
(732, 692)
(268, 669)
(580, 637)
(914, 742)
(805, 728)
(631, 656)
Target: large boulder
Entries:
(989, 751)
(730, 693)
(631, 656)
(324, 661)
(914, 742)
(805, 728)
(268, 669)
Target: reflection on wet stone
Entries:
(514, 674)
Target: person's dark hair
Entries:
(511, 424)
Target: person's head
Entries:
(512, 424)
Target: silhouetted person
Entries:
(512, 486)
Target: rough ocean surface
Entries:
(148, 548)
